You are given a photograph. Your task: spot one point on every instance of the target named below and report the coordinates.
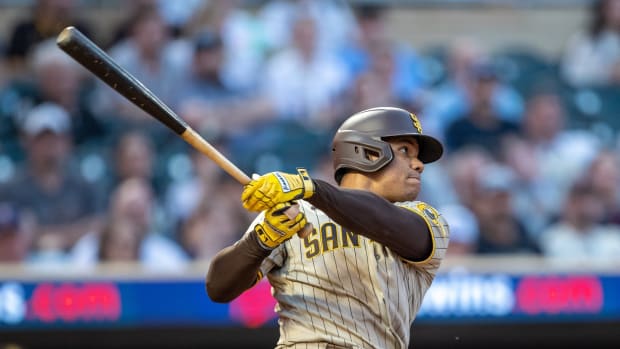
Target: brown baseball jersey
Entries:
(336, 288)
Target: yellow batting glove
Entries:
(276, 228)
(275, 188)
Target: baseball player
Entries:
(358, 279)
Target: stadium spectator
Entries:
(338, 23)
(3, 66)
(592, 56)
(119, 242)
(244, 45)
(500, 230)
(206, 79)
(7, 124)
(370, 89)
(481, 126)
(177, 14)
(561, 154)
(132, 201)
(148, 54)
(64, 205)
(465, 168)
(374, 52)
(320, 78)
(579, 234)
(217, 222)
(373, 85)
(453, 99)
(464, 232)
(135, 156)
(123, 28)
(604, 177)
(186, 196)
(57, 78)
(15, 234)
(536, 198)
(46, 19)
(208, 102)
(249, 39)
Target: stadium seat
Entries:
(593, 107)
(434, 65)
(523, 67)
(289, 143)
(93, 162)
(172, 163)
(7, 168)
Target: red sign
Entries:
(556, 294)
(70, 302)
(254, 307)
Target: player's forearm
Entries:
(234, 269)
(365, 213)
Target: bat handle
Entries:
(193, 138)
(305, 231)
(291, 212)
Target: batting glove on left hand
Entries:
(276, 228)
(275, 188)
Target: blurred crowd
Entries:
(531, 163)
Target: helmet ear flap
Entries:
(361, 152)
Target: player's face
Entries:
(400, 179)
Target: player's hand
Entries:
(275, 188)
(276, 228)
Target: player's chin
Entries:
(412, 196)
(412, 191)
(409, 193)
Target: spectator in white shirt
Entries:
(130, 212)
(303, 82)
(579, 233)
(593, 56)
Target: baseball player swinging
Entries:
(358, 279)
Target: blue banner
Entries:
(454, 297)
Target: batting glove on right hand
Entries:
(276, 228)
(275, 188)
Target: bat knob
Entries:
(305, 231)
(65, 35)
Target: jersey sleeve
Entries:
(276, 257)
(439, 230)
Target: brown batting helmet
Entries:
(363, 133)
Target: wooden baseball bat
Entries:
(93, 58)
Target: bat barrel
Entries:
(88, 54)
